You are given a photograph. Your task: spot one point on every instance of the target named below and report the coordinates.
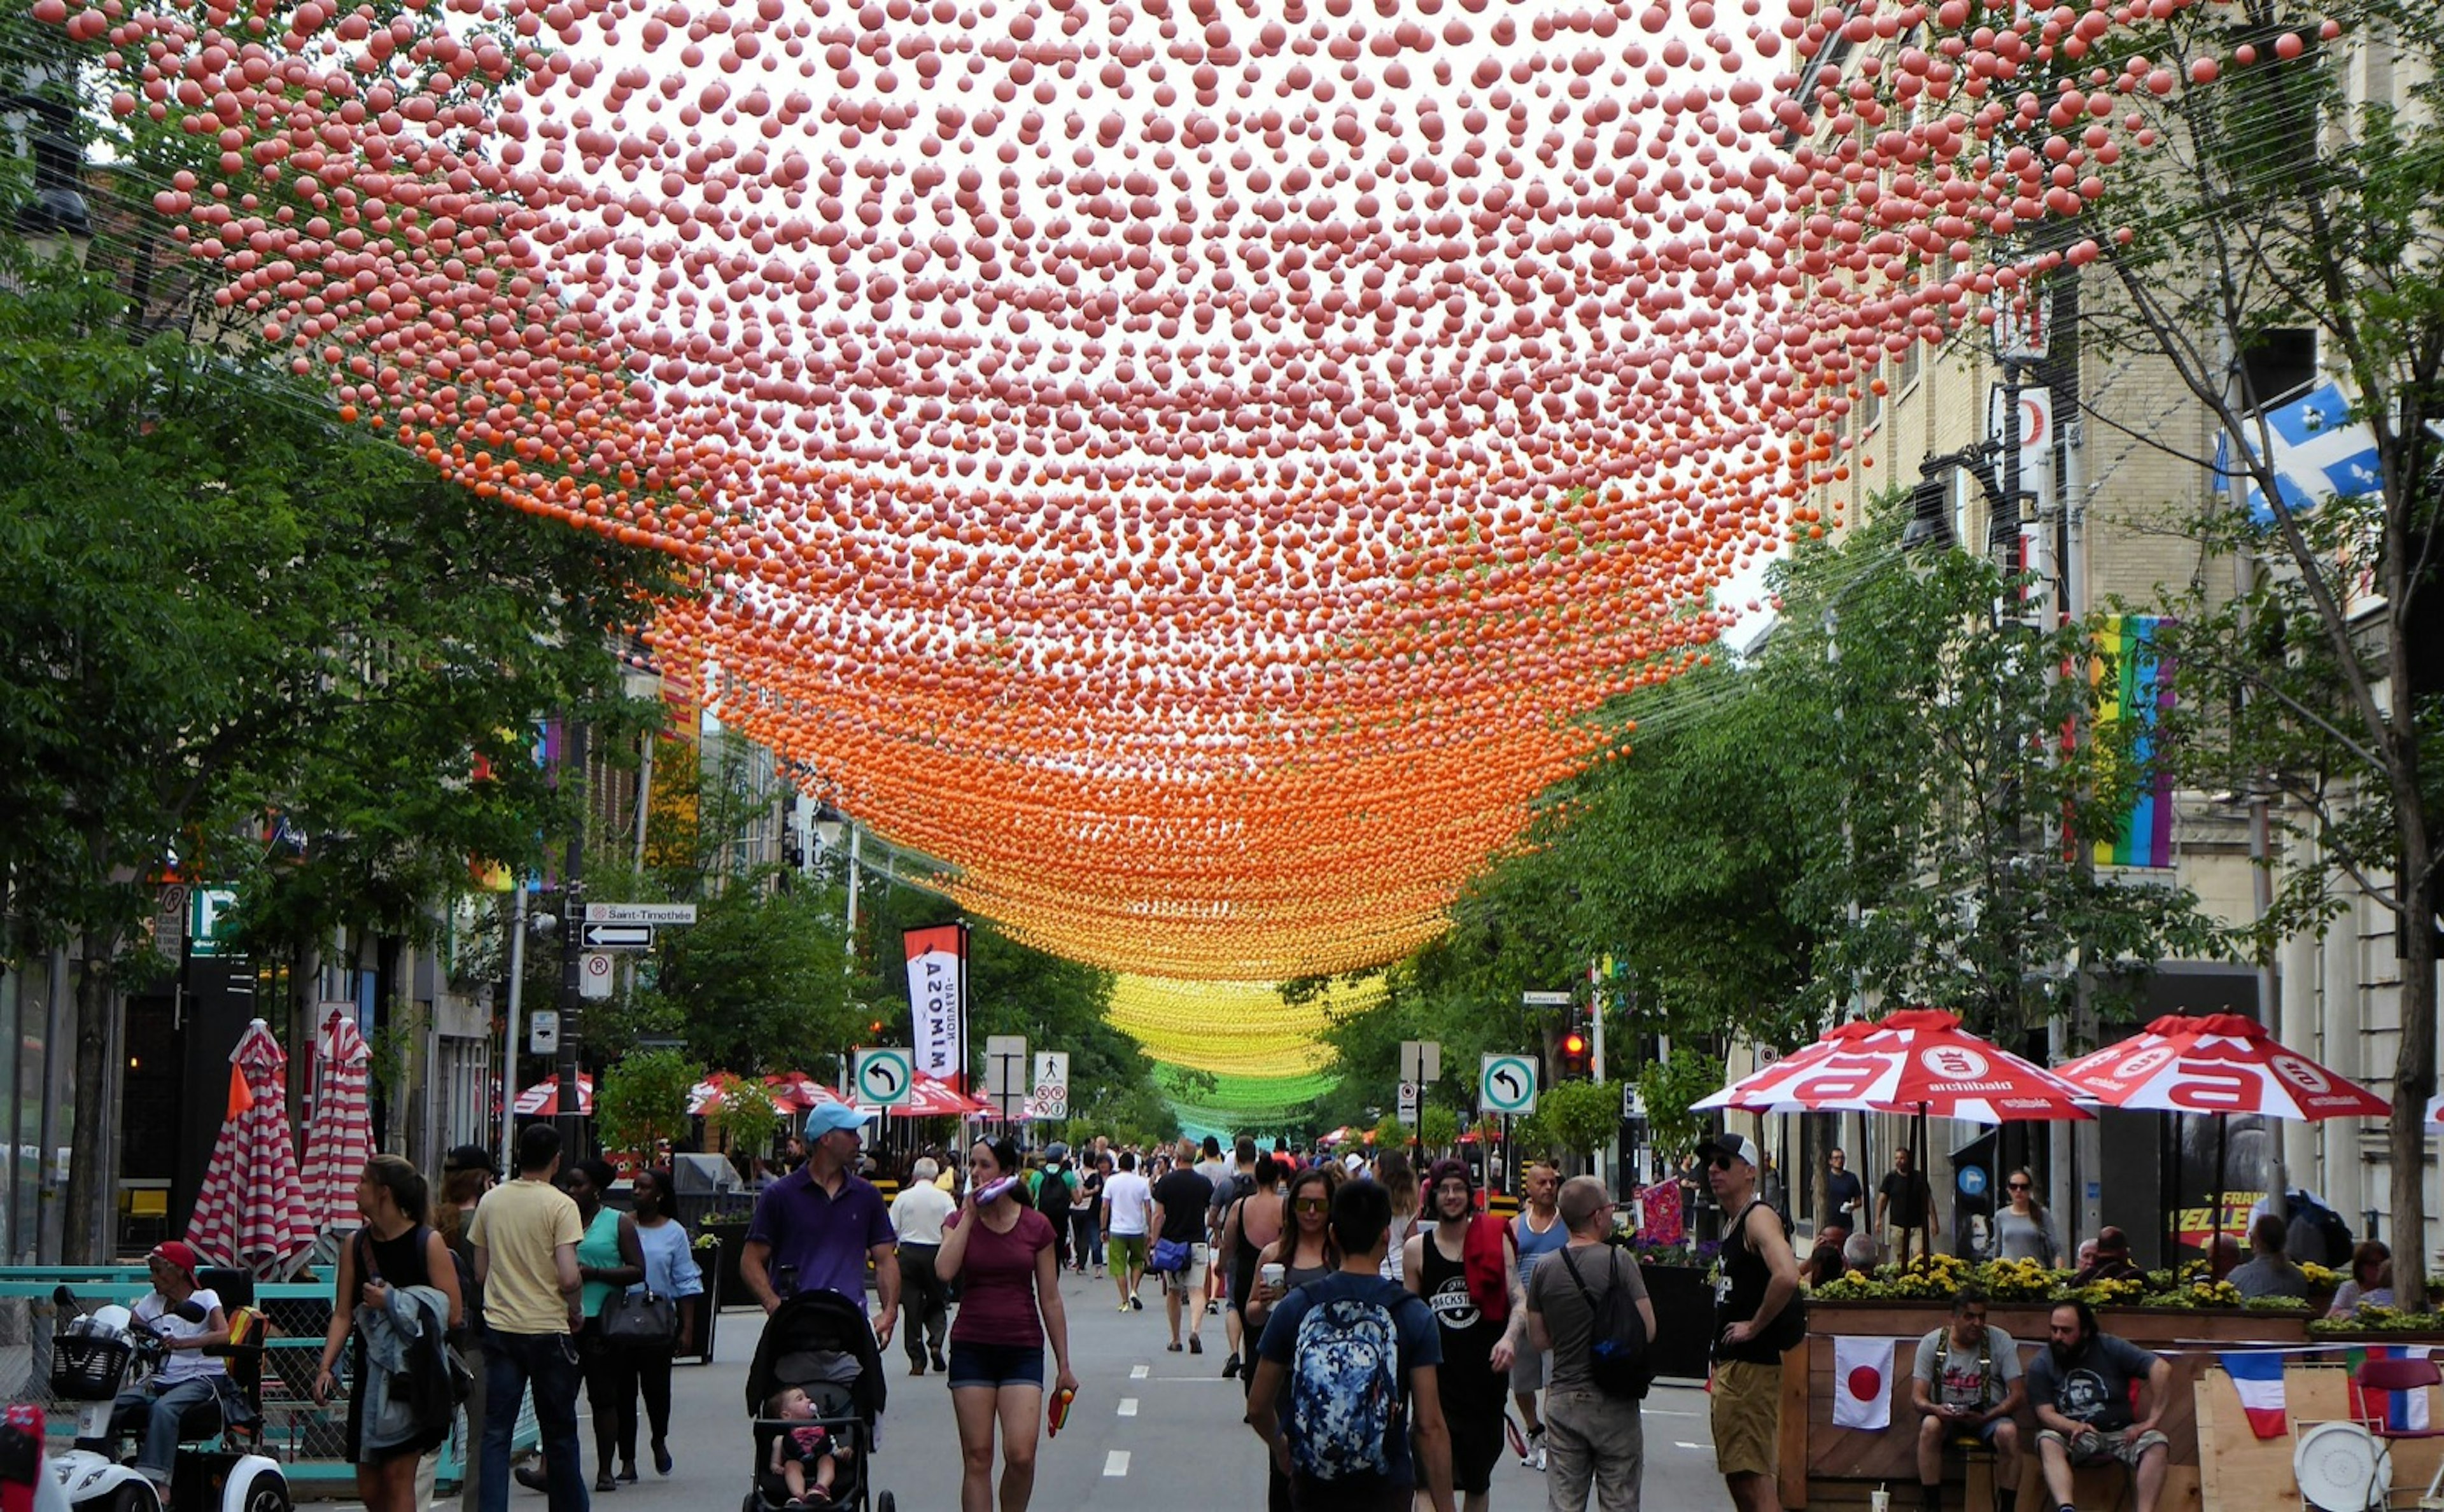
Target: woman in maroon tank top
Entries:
(1010, 1308)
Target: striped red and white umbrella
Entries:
(340, 1131)
(542, 1100)
(252, 1212)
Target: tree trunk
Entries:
(91, 1183)
(2414, 1067)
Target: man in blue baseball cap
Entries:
(815, 1228)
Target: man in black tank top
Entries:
(1477, 1347)
(1759, 1278)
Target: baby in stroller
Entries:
(815, 1393)
(805, 1458)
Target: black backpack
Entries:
(1617, 1359)
(1052, 1196)
(2334, 1233)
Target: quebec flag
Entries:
(2318, 455)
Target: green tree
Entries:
(1667, 1088)
(2303, 192)
(1583, 1116)
(745, 1118)
(1438, 1126)
(215, 594)
(1938, 869)
(642, 1099)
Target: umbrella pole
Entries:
(2168, 1154)
(2223, 1142)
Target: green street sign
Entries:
(1507, 1085)
(883, 1076)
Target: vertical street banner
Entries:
(937, 969)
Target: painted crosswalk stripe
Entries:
(1128, 1406)
(1115, 1462)
(1138, 1373)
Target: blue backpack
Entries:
(1345, 1390)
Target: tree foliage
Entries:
(1868, 806)
(642, 1099)
(241, 642)
(2304, 193)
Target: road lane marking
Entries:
(1115, 1462)
(1684, 1444)
(1128, 1406)
(1138, 1373)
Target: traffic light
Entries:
(1577, 1051)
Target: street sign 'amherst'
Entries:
(640, 914)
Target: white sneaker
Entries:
(1533, 1457)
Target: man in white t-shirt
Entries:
(189, 1319)
(1128, 1210)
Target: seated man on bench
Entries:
(2088, 1410)
(1968, 1383)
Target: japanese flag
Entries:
(1862, 1383)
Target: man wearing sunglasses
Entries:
(1966, 1381)
(1760, 1279)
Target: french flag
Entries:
(2258, 1378)
(2401, 1412)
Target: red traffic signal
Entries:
(1574, 1043)
(1575, 1058)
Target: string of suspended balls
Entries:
(1191, 469)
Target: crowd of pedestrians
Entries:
(1393, 1338)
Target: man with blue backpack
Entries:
(1345, 1378)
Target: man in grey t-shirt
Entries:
(1968, 1383)
(1590, 1437)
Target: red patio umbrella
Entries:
(928, 1096)
(2218, 1063)
(799, 1091)
(542, 1100)
(252, 1212)
(340, 1131)
(1916, 1060)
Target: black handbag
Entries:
(640, 1320)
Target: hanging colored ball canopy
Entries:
(1190, 467)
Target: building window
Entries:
(2280, 362)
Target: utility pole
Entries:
(572, 936)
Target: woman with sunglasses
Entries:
(2023, 1229)
(1305, 1252)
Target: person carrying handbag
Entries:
(610, 1258)
(654, 1323)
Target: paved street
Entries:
(1150, 1428)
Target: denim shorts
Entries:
(996, 1365)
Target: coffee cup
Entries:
(1879, 1501)
(1271, 1276)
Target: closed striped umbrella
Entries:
(252, 1212)
(339, 1131)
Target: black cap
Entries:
(467, 1157)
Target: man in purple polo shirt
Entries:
(815, 1228)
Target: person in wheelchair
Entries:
(182, 1398)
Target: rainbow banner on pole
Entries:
(2145, 836)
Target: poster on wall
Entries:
(938, 968)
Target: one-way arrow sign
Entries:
(618, 937)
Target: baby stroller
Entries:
(820, 1343)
